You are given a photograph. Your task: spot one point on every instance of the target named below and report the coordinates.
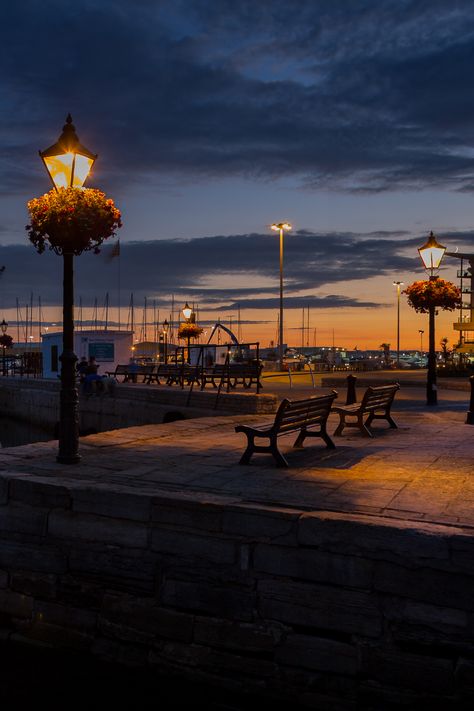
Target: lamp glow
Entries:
(431, 253)
(67, 161)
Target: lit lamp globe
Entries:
(4, 326)
(187, 311)
(165, 326)
(431, 253)
(67, 161)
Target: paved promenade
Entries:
(423, 472)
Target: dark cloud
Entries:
(365, 96)
(246, 265)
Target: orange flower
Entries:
(72, 220)
(437, 292)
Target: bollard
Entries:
(351, 390)
(470, 414)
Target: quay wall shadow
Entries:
(324, 610)
(124, 405)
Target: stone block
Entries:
(116, 567)
(462, 552)
(15, 555)
(188, 514)
(264, 524)
(313, 564)
(216, 662)
(225, 634)
(4, 482)
(39, 492)
(403, 670)
(66, 616)
(464, 673)
(373, 537)
(322, 606)
(419, 622)
(143, 615)
(111, 503)
(15, 604)
(71, 525)
(38, 585)
(224, 601)
(18, 518)
(318, 654)
(210, 548)
(443, 588)
(59, 637)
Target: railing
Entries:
(292, 373)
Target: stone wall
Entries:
(126, 405)
(327, 611)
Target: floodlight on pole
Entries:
(281, 227)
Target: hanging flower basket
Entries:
(434, 292)
(189, 330)
(72, 220)
(6, 341)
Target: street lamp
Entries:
(165, 327)
(398, 284)
(281, 227)
(68, 164)
(431, 254)
(188, 314)
(421, 332)
(4, 326)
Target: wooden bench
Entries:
(376, 404)
(120, 370)
(292, 416)
(132, 372)
(246, 374)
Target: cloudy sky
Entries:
(354, 120)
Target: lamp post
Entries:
(431, 254)
(189, 316)
(398, 284)
(68, 164)
(421, 332)
(165, 327)
(281, 227)
(4, 326)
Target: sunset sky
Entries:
(354, 121)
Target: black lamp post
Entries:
(4, 326)
(165, 327)
(431, 254)
(189, 316)
(68, 164)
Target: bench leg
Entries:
(363, 427)
(246, 456)
(323, 434)
(385, 416)
(277, 455)
(342, 423)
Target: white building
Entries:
(110, 348)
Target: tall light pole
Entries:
(398, 284)
(421, 332)
(68, 164)
(281, 227)
(431, 254)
